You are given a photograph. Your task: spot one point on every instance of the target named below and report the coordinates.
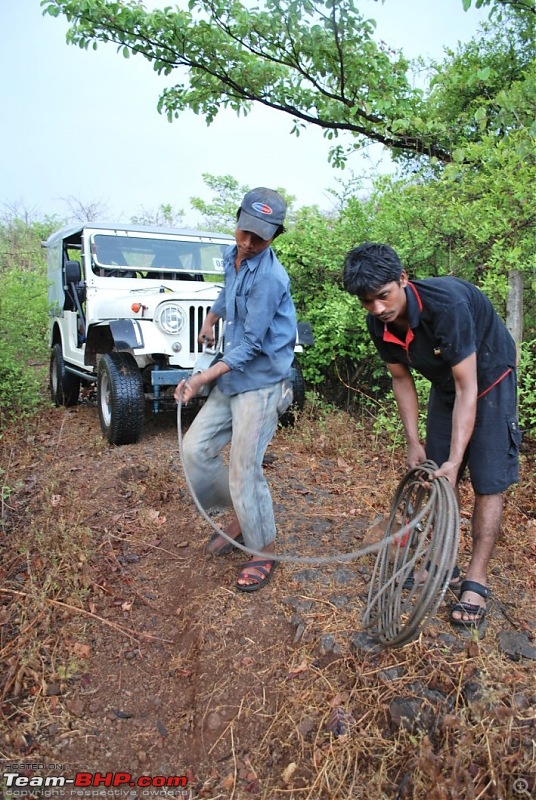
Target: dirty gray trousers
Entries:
(247, 420)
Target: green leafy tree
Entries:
(314, 60)
(487, 86)
(476, 217)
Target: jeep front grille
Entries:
(197, 317)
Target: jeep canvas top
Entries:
(127, 303)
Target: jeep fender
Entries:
(118, 334)
(138, 337)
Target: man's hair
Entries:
(369, 267)
(279, 230)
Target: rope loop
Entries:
(422, 532)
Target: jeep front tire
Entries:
(120, 398)
(64, 386)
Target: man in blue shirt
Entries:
(447, 330)
(253, 385)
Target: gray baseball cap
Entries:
(262, 212)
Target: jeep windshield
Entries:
(157, 256)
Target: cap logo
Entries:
(262, 208)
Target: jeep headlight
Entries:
(170, 318)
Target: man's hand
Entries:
(206, 336)
(449, 470)
(416, 455)
(189, 388)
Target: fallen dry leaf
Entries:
(339, 722)
(81, 650)
(303, 667)
(228, 781)
(155, 516)
(288, 772)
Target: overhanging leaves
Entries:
(316, 61)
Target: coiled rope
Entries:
(422, 532)
(414, 567)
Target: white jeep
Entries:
(127, 303)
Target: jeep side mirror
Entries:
(73, 273)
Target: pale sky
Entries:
(84, 124)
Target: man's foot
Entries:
(469, 611)
(419, 578)
(218, 546)
(255, 574)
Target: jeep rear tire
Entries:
(120, 398)
(288, 419)
(298, 386)
(64, 386)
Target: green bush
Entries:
(23, 316)
(23, 342)
(20, 390)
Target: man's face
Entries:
(249, 244)
(388, 303)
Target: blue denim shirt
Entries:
(260, 322)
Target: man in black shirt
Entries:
(448, 331)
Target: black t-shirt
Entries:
(449, 320)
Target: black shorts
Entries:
(493, 451)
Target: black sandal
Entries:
(463, 607)
(261, 580)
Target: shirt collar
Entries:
(251, 263)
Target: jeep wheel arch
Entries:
(120, 398)
(99, 339)
(64, 386)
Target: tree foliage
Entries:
(315, 60)
(498, 5)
